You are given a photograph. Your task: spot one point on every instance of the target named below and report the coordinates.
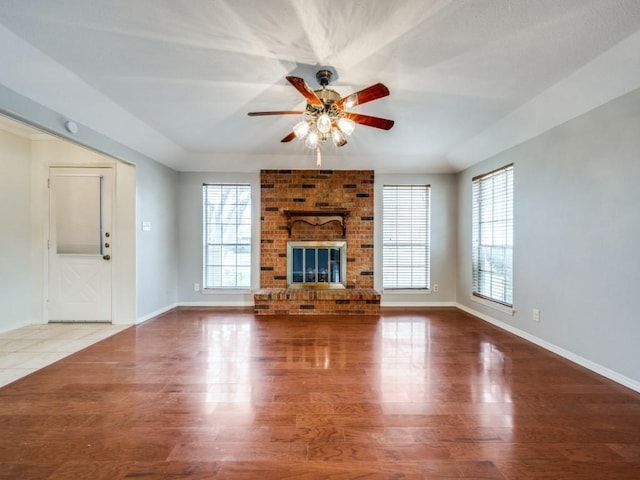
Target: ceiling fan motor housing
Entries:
(324, 77)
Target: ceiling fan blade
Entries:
(369, 121)
(277, 112)
(363, 96)
(289, 137)
(306, 91)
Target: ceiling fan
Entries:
(325, 115)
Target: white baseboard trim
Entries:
(588, 364)
(151, 315)
(225, 303)
(387, 303)
(193, 304)
(11, 329)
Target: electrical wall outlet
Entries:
(196, 287)
(435, 288)
(536, 315)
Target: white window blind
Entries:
(492, 235)
(406, 250)
(227, 236)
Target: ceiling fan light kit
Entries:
(325, 117)
(346, 126)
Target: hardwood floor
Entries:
(416, 394)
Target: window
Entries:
(227, 236)
(406, 251)
(492, 236)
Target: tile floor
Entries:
(27, 349)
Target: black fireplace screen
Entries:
(316, 263)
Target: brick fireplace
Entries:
(316, 205)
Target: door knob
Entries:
(107, 257)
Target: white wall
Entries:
(443, 240)
(15, 238)
(190, 230)
(577, 230)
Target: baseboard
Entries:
(156, 313)
(193, 304)
(387, 303)
(226, 303)
(588, 364)
(11, 329)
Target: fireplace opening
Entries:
(317, 264)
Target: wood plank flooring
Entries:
(223, 394)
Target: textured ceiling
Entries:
(174, 79)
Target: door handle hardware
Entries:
(107, 257)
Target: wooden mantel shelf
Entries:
(316, 217)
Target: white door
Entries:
(80, 244)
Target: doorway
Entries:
(81, 204)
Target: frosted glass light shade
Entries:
(346, 126)
(301, 129)
(312, 140)
(323, 123)
(338, 137)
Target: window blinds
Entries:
(406, 249)
(227, 236)
(492, 235)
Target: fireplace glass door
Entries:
(316, 264)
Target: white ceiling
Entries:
(174, 79)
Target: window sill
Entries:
(496, 306)
(408, 291)
(225, 291)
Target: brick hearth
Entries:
(296, 301)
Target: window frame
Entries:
(395, 243)
(493, 191)
(243, 249)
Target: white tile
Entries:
(15, 345)
(15, 359)
(41, 360)
(10, 375)
(27, 349)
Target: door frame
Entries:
(48, 153)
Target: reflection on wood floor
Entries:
(416, 394)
